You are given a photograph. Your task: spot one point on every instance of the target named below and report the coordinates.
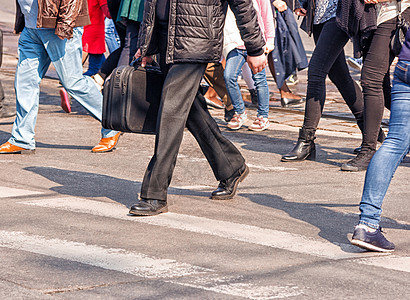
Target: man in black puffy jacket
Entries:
(188, 35)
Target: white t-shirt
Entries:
(29, 8)
(389, 10)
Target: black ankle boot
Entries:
(360, 162)
(304, 148)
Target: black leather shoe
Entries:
(227, 188)
(149, 207)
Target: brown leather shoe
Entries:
(107, 144)
(8, 148)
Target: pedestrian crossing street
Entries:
(171, 271)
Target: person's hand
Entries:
(144, 60)
(256, 63)
(300, 12)
(280, 5)
(269, 48)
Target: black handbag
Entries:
(131, 99)
(399, 36)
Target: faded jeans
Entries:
(396, 146)
(234, 62)
(37, 48)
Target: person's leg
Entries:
(262, 89)
(396, 146)
(383, 165)
(95, 62)
(234, 61)
(33, 63)
(131, 40)
(5, 111)
(375, 69)
(111, 36)
(330, 40)
(223, 157)
(214, 76)
(66, 58)
(286, 96)
(178, 94)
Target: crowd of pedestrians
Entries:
(195, 40)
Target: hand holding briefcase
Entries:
(132, 95)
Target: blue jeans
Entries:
(37, 48)
(234, 62)
(111, 36)
(396, 146)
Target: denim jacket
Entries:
(289, 53)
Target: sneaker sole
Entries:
(258, 129)
(241, 178)
(28, 151)
(140, 213)
(368, 246)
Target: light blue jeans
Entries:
(396, 146)
(234, 62)
(111, 36)
(37, 48)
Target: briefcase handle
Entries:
(139, 61)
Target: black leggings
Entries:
(376, 80)
(328, 58)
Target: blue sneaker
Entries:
(373, 241)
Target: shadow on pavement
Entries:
(91, 185)
(334, 226)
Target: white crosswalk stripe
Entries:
(203, 278)
(12, 192)
(141, 265)
(234, 231)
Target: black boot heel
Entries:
(304, 148)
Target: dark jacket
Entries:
(307, 23)
(195, 29)
(63, 15)
(289, 54)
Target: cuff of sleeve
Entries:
(255, 53)
(64, 31)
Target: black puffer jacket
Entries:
(195, 30)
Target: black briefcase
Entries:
(132, 95)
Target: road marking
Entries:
(12, 192)
(234, 231)
(141, 265)
(276, 169)
(392, 262)
(266, 168)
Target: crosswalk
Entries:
(180, 273)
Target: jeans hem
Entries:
(371, 225)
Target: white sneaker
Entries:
(237, 121)
(259, 124)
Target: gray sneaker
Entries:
(373, 241)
